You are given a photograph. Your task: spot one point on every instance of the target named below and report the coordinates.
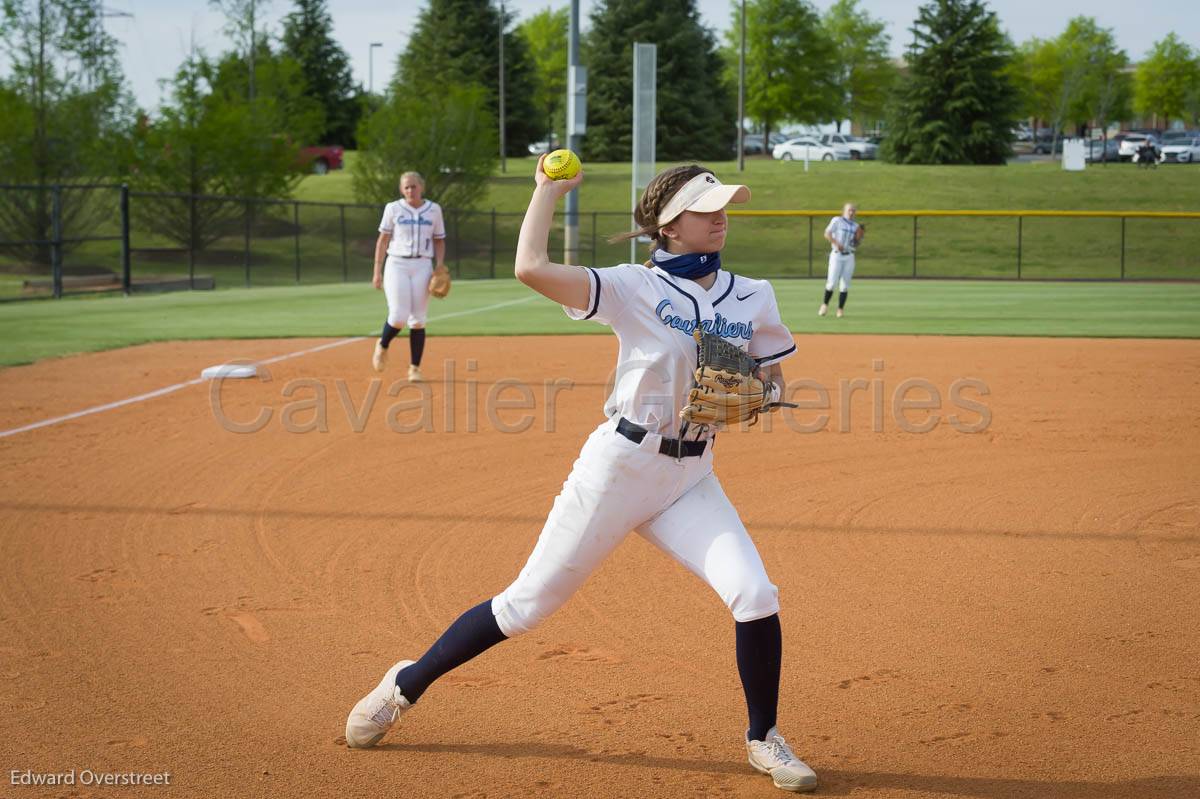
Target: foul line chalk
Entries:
(162, 392)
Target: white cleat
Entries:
(379, 359)
(376, 712)
(773, 756)
(824, 309)
(414, 374)
(839, 313)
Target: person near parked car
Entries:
(843, 234)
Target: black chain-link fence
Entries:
(78, 239)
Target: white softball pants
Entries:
(406, 286)
(616, 486)
(841, 269)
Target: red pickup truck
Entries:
(321, 159)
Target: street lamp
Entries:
(371, 66)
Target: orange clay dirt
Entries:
(1007, 613)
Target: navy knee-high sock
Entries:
(759, 655)
(842, 299)
(472, 634)
(828, 294)
(388, 334)
(416, 344)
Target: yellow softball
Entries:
(561, 165)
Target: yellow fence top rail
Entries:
(1068, 214)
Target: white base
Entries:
(226, 370)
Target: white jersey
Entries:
(843, 231)
(413, 230)
(654, 314)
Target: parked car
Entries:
(803, 147)
(1132, 142)
(1180, 151)
(321, 159)
(539, 147)
(1044, 142)
(1101, 150)
(752, 143)
(850, 147)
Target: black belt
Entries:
(668, 446)
(412, 257)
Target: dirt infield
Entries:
(1005, 613)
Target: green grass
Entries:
(34, 330)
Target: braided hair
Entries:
(658, 193)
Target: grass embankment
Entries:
(1051, 248)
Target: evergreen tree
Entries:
(695, 113)
(959, 104)
(457, 43)
(328, 79)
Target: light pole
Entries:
(371, 66)
(742, 96)
(503, 165)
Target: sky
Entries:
(157, 36)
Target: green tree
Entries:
(457, 43)
(791, 65)
(545, 35)
(1166, 80)
(281, 102)
(958, 105)
(863, 69)
(64, 116)
(328, 79)
(695, 114)
(1076, 77)
(206, 143)
(454, 148)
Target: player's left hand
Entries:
(561, 187)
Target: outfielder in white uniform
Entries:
(639, 471)
(843, 235)
(411, 233)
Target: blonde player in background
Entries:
(843, 234)
(411, 233)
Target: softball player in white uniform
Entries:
(843, 235)
(411, 233)
(636, 471)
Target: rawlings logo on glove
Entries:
(727, 390)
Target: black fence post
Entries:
(345, 263)
(914, 245)
(810, 245)
(457, 247)
(492, 269)
(246, 250)
(126, 276)
(191, 241)
(1019, 232)
(595, 223)
(56, 267)
(296, 226)
(1122, 248)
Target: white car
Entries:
(803, 147)
(850, 147)
(1132, 142)
(1182, 151)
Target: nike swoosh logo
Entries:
(748, 296)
